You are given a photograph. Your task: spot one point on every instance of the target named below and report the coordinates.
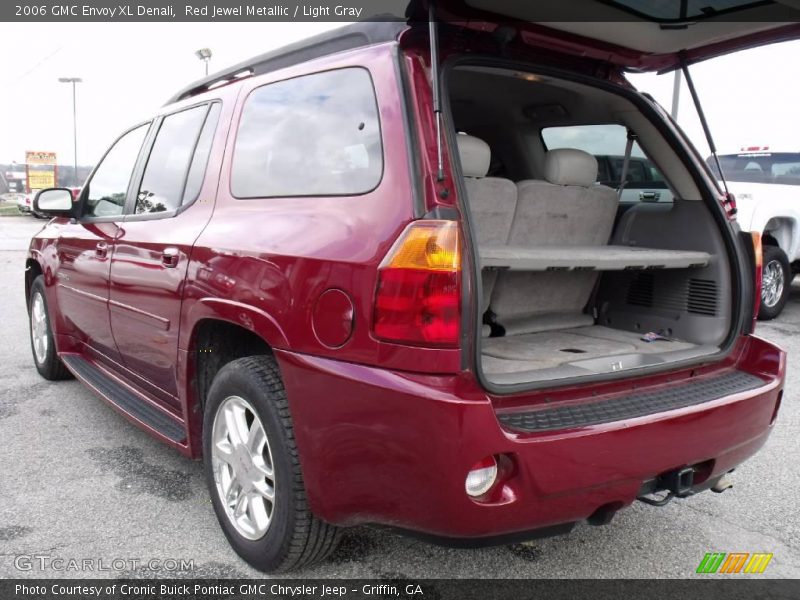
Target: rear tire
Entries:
(43, 345)
(246, 401)
(776, 283)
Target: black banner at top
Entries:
(667, 14)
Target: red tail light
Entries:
(729, 202)
(758, 252)
(418, 299)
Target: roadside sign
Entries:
(41, 168)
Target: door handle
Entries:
(101, 250)
(170, 257)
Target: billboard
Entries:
(40, 169)
(37, 157)
(40, 180)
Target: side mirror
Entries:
(54, 202)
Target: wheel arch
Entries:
(784, 233)
(32, 270)
(218, 332)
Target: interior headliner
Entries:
(613, 25)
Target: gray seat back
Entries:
(492, 201)
(568, 209)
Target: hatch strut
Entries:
(699, 108)
(437, 97)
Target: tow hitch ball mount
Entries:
(677, 483)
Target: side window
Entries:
(197, 170)
(644, 182)
(316, 135)
(106, 190)
(167, 167)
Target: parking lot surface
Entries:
(77, 481)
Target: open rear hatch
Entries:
(640, 35)
(639, 313)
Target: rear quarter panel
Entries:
(770, 206)
(263, 263)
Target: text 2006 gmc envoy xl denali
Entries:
(378, 277)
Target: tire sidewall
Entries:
(268, 552)
(773, 253)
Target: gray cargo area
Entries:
(574, 282)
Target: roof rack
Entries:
(344, 38)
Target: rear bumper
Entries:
(394, 448)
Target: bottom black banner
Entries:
(423, 589)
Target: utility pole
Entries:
(204, 54)
(676, 94)
(74, 81)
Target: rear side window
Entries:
(316, 135)
(607, 143)
(762, 167)
(165, 175)
(197, 170)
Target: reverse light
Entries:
(418, 297)
(481, 477)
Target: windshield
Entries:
(761, 167)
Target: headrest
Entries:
(568, 166)
(475, 155)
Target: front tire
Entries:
(43, 343)
(775, 284)
(253, 472)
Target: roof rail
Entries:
(337, 40)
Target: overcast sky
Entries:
(750, 98)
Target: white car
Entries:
(25, 203)
(766, 184)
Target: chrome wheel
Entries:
(243, 468)
(39, 328)
(772, 283)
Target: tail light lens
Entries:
(758, 253)
(418, 299)
(729, 202)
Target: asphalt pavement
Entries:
(78, 482)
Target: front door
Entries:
(86, 245)
(151, 254)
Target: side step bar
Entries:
(125, 399)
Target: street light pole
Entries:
(676, 94)
(204, 54)
(74, 81)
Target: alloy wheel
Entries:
(39, 328)
(243, 467)
(772, 283)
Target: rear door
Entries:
(644, 35)
(171, 206)
(85, 246)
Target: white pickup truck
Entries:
(767, 189)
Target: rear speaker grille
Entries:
(640, 290)
(702, 297)
(696, 296)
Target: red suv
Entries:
(366, 288)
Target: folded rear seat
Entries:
(492, 201)
(567, 209)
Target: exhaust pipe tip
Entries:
(722, 484)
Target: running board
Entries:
(123, 398)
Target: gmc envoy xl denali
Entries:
(377, 277)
